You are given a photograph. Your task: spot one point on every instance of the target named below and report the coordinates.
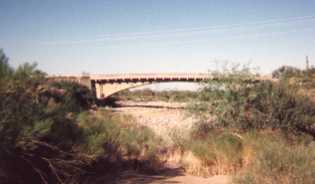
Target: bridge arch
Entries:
(107, 85)
(106, 90)
(109, 89)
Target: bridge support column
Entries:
(104, 90)
(98, 90)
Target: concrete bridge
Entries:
(106, 85)
(109, 84)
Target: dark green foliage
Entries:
(301, 78)
(285, 71)
(19, 105)
(64, 132)
(5, 70)
(73, 97)
(26, 108)
(115, 135)
(18, 110)
(239, 104)
(62, 102)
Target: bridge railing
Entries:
(151, 76)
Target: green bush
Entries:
(97, 133)
(239, 102)
(39, 128)
(19, 105)
(18, 110)
(25, 103)
(113, 135)
(233, 105)
(285, 72)
(5, 69)
(74, 97)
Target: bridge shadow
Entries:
(117, 103)
(149, 106)
(124, 172)
(131, 177)
(108, 102)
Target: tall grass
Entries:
(268, 156)
(117, 136)
(214, 153)
(275, 160)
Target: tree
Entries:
(19, 107)
(5, 69)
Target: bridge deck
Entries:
(151, 77)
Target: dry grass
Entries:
(116, 135)
(272, 159)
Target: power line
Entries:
(182, 32)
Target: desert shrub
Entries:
(233, 105)
(275, 160)
(23, 108)
(64, 133)
(58, 124)
(113, 135)
(239, 101)
(137, 95)
(137, 139)
(285, 71)
(19, 107)
(182, 96)
(18, 110)
(40, 135)
(55, 129)
(74, 97)
(6, 70)
(39, 128)
(98, 132)
(218, 152)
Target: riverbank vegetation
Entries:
(50, 132)
(150, 95)
(262, 131)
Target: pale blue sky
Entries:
(114, 36)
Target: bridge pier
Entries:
(104, 90)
